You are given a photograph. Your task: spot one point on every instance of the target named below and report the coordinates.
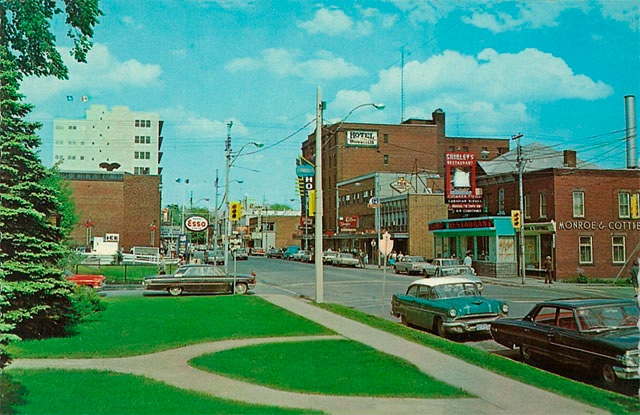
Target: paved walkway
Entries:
(495, 394)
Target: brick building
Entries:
(585, 218)
(116, 203)
(415, 146)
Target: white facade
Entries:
(119, 140)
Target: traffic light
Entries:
(235, 210)
(516, 219)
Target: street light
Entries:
(318, 184)
(231, 158)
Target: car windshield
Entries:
(608, 316)
(414, 259)
(462, 289)
(444, 272)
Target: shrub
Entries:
(86, 302)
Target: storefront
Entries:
(491, 241)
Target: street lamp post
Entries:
(520, 163)
(230, 159)
(319, 273)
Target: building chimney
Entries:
(569, 158)
(630, 125)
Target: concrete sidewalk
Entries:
(494, 394)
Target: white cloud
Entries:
(622, 11)
(282, 62)
(103, 71)
(494, 89)
(335, 22)
(531, 15)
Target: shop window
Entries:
(618, 249)
(543, 205)
(586, 250)
(483, 248)
(578, 204)
(624, 210)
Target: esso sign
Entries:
(196, 223)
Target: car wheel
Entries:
(607, 376)
(526, 354)
(175, 291)
(439, 328)
(241, 288)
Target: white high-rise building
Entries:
(120, 141)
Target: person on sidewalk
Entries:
(361, 258)
(548, 270)
(468, 261)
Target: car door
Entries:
(539, 335)
(565, 341)
(407, 305)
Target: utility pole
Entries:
(215, 214)
(225, 201)
(318, 214)
(520, 164)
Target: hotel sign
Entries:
(362, 138)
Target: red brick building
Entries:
(415, 146)
(116, 203)
(585, 218)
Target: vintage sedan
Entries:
(86, 280)
(410, 264)
(599, 335)
(345, 259)
(447, 306)
(202, 279)
(240, 254)
(429, 269)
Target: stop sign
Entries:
(386, 244)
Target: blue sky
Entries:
(556, 71)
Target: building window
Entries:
(618, 249)
(578, 204)
(385, 138)
(624, 210)
(385, 159)
(543, 205)
(465, 149)
(452, 149)
(484, 154)
(527, 206)
(501, 202)
(586, 250)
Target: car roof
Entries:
(586, 302)
(432, 282)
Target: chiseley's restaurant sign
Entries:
(586, 225)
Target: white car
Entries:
(345, 259)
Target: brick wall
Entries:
(422, 210)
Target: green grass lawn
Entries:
(122, 274)
(610, 401)
(337, 367)
(140, 325)
(94, 392)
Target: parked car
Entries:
(459, 271)
(599, 335)
(87, 280)
(257, 252)
(215, 257)
(289, 251)
(327, 256)
(410, 264)
(429, 269)
(305, 256)
(446, 306)
(274, 253)
(297, 256)
(345, 259)
(240, 254)
(200, 278)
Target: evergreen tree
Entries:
(35, 299)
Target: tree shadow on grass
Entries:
(12, 394)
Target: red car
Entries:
(91, 281)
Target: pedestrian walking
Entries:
(468, 261)
(548, 270)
